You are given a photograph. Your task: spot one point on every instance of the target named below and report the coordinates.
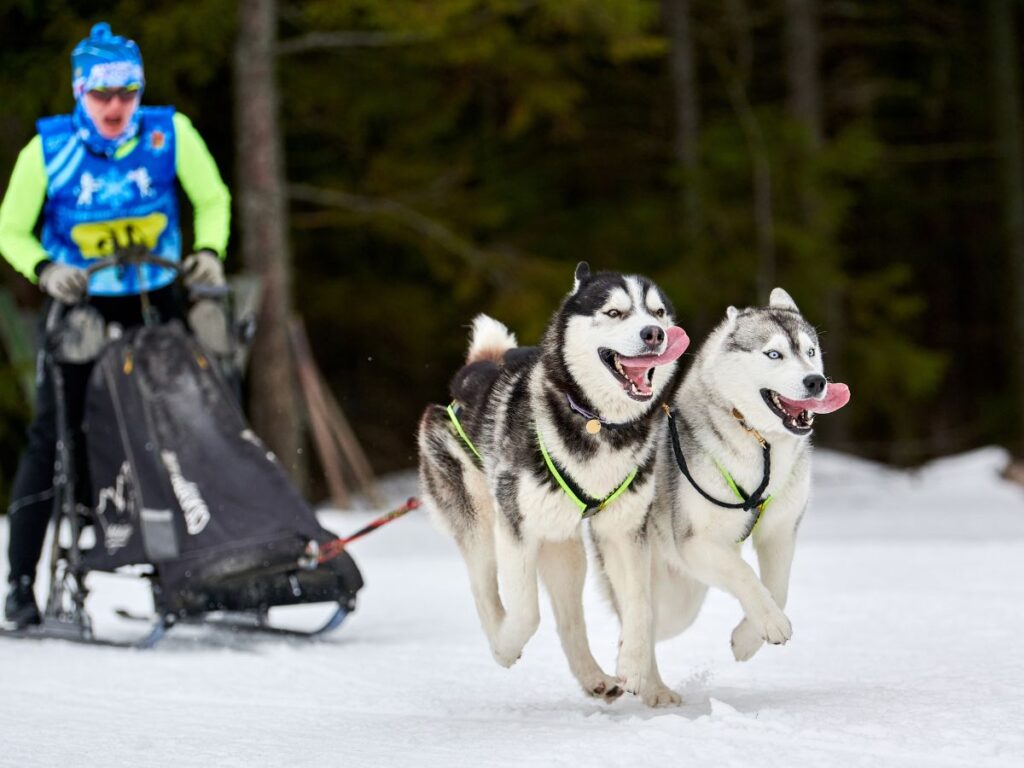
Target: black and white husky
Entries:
(736, 464)
(539, 439)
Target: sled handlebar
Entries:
(132, 256)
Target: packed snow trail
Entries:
(906, 606)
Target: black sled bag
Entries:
(180, 482)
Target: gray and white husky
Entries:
(743, 417)
(539, 439)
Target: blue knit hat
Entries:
(105, 60)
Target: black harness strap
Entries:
(756, 499)
(593, 506)
(589, 506)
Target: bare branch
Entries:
(413, 220)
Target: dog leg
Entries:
(724, 568)
(627, 562)
(654, 691)
(775, 560)
(477, 547)
(517, 569)
(563, 569)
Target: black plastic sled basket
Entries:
(180, 482)
(183, 488)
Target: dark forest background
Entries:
(449, 157)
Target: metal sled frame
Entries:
(236, 622)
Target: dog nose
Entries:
(815, 384)
(653, 335)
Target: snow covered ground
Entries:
(907, 605)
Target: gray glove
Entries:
(63, 282)
(203, 268)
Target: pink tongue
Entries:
(678, 341)
(836, 396)
(636, 367)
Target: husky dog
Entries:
(740, 428)
(543, 438)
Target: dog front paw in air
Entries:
(770, 626)
(777, 629)
(746, 640)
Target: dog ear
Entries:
(781, 300)
(582, 275)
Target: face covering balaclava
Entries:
(104, 60)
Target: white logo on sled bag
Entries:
(114, 501)
(197, 514)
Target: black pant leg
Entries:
(33, 494)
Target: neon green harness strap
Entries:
(462, 432)
(739, 494)
(588, 505)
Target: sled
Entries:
(180, 485)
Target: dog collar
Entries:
(588, 505)
(756, 500)
(594, 422)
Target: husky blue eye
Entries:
(774, 354)
(811, 352)
(613, 313)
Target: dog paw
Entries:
(746, 641)
(506, 655)
(631, 673)
(777, 629)
(606, 688)
(661, 696)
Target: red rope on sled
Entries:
(333, 548)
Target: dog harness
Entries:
(589, 506)
(754, 501)
(453, 415)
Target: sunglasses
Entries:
(121, 94)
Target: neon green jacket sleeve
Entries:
(20, 210)
(199, 177)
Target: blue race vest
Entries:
(95, 204)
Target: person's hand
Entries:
(63, 282)
(203, 268)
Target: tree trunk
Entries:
(803, 77)
(736, 76)
(682, 59)
(1006, 100)
(802, 62)
(261, 196)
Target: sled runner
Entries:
(181, 489)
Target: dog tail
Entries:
(489, 340)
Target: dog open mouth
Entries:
(636, 374)
(798, 415)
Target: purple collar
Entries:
(597, 421)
